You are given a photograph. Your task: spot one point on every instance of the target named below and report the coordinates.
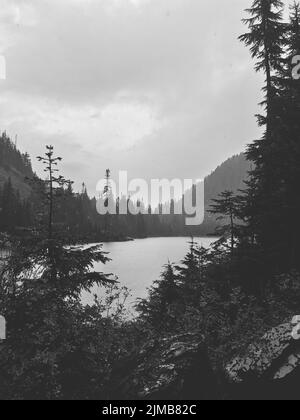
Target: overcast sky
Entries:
(161, 88)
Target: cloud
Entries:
(78, 50)
(157, 87)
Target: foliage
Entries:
(56, 348)
(270, 202)
(246, 283)
(77, 211)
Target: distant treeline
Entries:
(14, 211)
(226, 297)
(78, 211)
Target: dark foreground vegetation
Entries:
(229, 295)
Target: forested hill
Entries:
(79, 211)
(14, 166)
(230, 175)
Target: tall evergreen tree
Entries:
(160, 309)
(288, 148)
(266, 39)
(226, 207)
(41, 287)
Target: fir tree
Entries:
(226, 207)
(160, 309)
(266, 39)
(41, 286)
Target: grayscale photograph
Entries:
(149, 203)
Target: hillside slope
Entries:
(230, 175)
(14, 165)
(17, 180)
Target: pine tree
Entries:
(66, 270)
(160, 309)
(287, 151)
(40, 296)
(266, 39)
(191, 274)
(227, 209)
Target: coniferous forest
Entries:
(77, 210)
(198, 334)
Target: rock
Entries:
(173, 368)
(2, 328)
(291, 363)
(270, 368)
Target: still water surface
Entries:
(139, 263)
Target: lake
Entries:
(140, 262)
